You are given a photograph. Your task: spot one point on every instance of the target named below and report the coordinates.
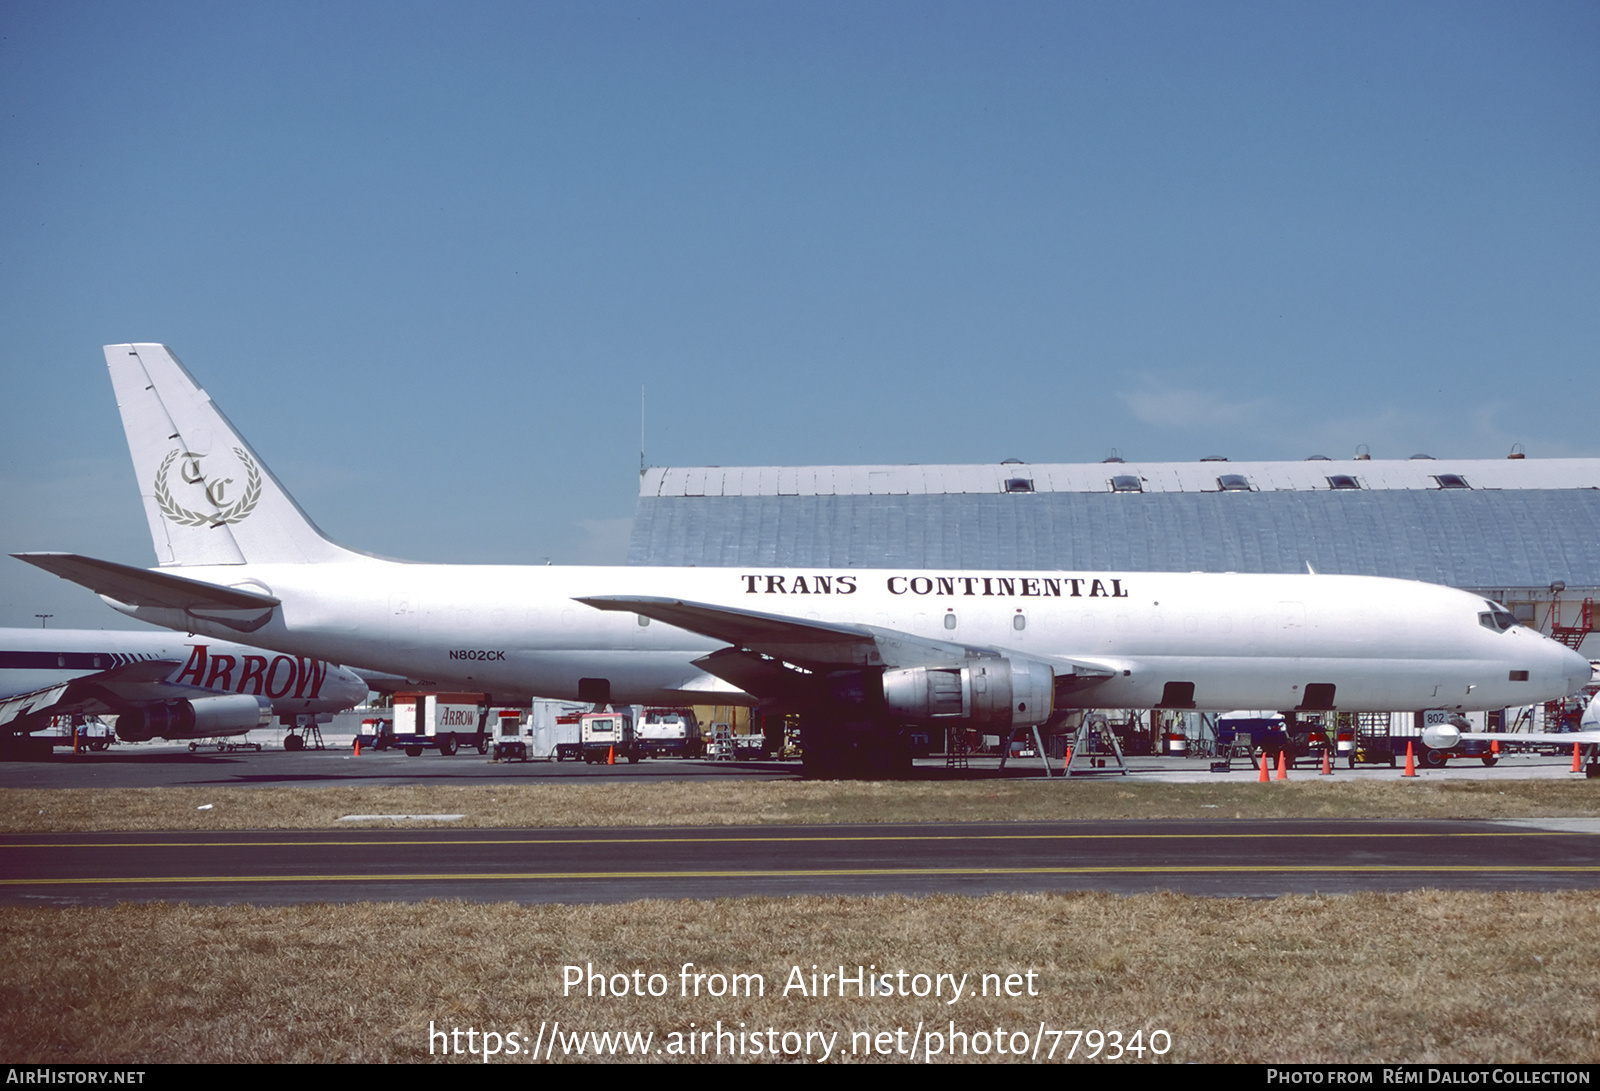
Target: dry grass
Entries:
(1418, 977)
(688, 803)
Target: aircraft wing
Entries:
(120, 688)
(40, 701)
(1533, 738)
(765, 648)
(809, 643)
(237, 608)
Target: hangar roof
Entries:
(1479, 523)
(1312, 475)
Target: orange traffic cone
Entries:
(1266, 776)
(1068, 762)
(611, 755)
(1327, 763)
(1411, 761)
(1577, 766)
(1283, 773)
(1494, 747)
(358, 746)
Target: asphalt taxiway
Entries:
(1215, 857)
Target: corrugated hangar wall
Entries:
(1479, 524)
(1472, 539)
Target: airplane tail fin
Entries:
(207, 495)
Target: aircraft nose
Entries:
(1577, 669)
(351, 686)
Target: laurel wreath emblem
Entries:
(233, 513)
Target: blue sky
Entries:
(425, 255)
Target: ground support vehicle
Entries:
(568, 744)
(440, 721)
(670, 733)
(510, 744)
(224, 744)
(88, 732)
(1254, 734)
(608, 737)
(377, 733)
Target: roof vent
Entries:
(1451, 481)
(1019, 484)
(1126, 483)
(1233, 483)
(1342, 481)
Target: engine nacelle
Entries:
(999, 694)
(203, 717)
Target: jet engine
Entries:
(998, 694)
(203, 717)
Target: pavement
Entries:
(1208, 857)
(165, 765)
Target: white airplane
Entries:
(859, 654)
(158, 684)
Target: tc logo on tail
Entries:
(216, 490)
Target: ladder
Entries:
(1572, 635)
(956, 748)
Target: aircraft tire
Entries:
(294, 744)
(1434, 759)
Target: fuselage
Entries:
(1235, 640)
(34, 659)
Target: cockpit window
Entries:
(1497, 617)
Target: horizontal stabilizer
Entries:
(158, 590)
